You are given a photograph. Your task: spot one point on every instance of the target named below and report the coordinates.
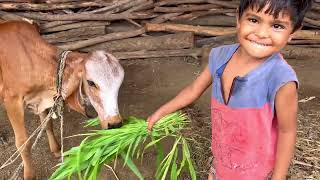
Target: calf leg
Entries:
(53, 144)
(15, 112)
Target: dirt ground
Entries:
(151, 82)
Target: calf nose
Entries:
(111, 122)
(115, 125)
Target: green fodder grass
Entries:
(104, 146)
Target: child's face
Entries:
(261, 35)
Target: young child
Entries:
(254, 93)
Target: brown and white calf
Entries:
(27, 80)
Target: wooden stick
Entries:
(304, 42)
(312, 15)
(210, 20)
(81, 17)
(164, 17)
(110, 7)
(176, 2)
(60, 1)
(171, 41)
(10, 16)
(218, 40)
(300, 53)
(307, 34)
(126, 6)
(200, 30)
(46, 7)
(55, 23)
(197, 14)
(75, 34)
(141, 7)
(75, 25)
(184, 9)
(224, 4)
(107, 37)
(312, 21)
(196, 52)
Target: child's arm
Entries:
(286, 105)
(185, 97)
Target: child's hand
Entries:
(152, 120)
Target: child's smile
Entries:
(260, 34)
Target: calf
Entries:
(28, 68)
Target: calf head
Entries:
(99, 85)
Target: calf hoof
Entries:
(29, 176)
(57, 154)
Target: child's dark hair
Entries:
(295, 8)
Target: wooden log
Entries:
(217, 41)
(171, 41)
(126, 6)
(52, 24)
(121, 26)
(197, 14)
(293, 52)
(164, 17)
(75, 26)
(224, 4)
(307, 34)
(200, 30)
(312, 21)
(13, 17)
(210, 20)
(304, 42)
(313, 14)
(115, 5)
(75, 34)
(184, 8)
(195, 53)
(100, 39)
(60, 1)
(46, 7)
(120, 6)
(141, 7)
(82, 17)
(176, 2)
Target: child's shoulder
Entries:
(219, 55)
(281, 72)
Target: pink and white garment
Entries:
(244, 129)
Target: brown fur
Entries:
(27, 79)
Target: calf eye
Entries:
(91, 83)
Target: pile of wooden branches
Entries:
(148, 28)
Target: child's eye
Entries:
(253, 20)
(278, 26)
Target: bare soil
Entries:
(151, 82)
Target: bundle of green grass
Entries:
(105, 146)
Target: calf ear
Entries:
(75, 101)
